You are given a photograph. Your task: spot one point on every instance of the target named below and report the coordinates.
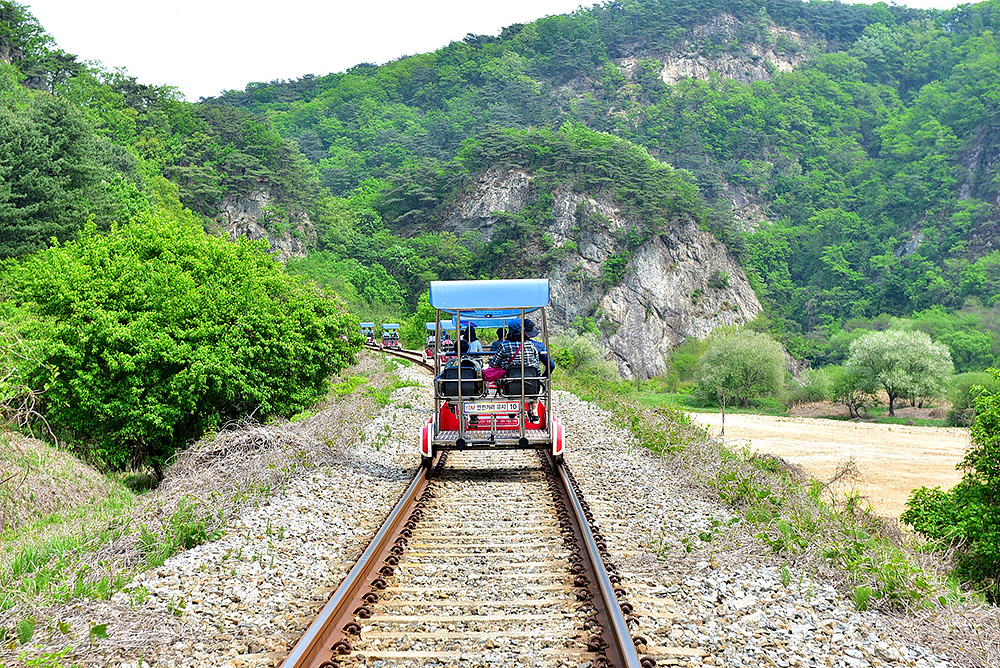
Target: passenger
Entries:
(511, 351)
(531, 332)
(475, 346)
(501, 334)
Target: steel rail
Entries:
(617, 640)
(414, 356)
(323, 639)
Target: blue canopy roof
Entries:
(486, 322)
(445, 324)
(368, 325)
(490, 299)
(390, 326)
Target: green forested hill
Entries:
(875, 158)
(76, 140)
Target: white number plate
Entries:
(492, 407)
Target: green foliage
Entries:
(969, 514)
(683, 365)
(583, 355)
(25, 630)
(184, 529)
(812, 385)
(962, 392)
(849, 386)
(55, 174)
(740, 364)
(413, 332)
(902, 363)
(148, 336)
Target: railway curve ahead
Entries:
(488, 557)
(415, 356)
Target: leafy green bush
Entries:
(146, 337)
(582, 355)
(812, 385)
(852, 389)
(962, 392)
(741, 364)
(969, 514)
(683, 365)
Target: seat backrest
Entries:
(513, 384)
(470, 386)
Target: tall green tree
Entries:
(740, 365)
(53, 174)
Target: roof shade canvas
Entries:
(367, 325)
(486, 322)
(490, 299)
(390, 326)
(444, 325)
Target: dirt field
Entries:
(891, 459)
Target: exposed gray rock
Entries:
(680, 283)
(252, 216)
(746, 62)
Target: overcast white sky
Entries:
(206, 46)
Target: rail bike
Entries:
(390, 336)
(513, 410)
(368, 331)
(446, 349)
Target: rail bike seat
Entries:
(514, 385)
(469, 386)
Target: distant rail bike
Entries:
(482, 407)
(368, 331)
(443, 346)
(390, 336)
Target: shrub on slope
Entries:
(147, 337)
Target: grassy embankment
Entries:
(70, 532)
(802, 522)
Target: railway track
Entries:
(415, 356)
(487, 557)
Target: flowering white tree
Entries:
(903, 363)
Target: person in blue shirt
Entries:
(501, 335)
(469, 334)
(530, 332)
(511, 351)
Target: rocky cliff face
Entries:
(680, 283)
(776, 49)
(254, 216)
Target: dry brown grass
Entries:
(37, 479)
